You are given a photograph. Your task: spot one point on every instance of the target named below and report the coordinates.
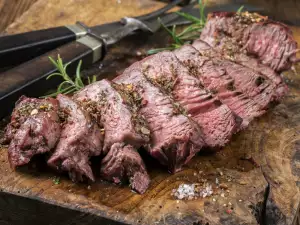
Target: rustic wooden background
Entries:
(13, 12)
(25, 15)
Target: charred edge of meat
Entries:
(133, 99)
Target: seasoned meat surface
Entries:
(116, 108)
(269, 41)
(243, 90)
(123, 163)
(216, 120)
(34, 129)
(112, 107)
(80, 139)
(175, 139)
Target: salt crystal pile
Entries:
(207, 191)
(185, 191)
(191, 191)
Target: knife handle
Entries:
(19, 48)
(30, 78)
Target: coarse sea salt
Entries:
(191, 191)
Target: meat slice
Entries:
(254, 84)
(175, 139)
(236, 86)
(117, 112)
(80, 139)
(242, 105)
(34, 129)
(123, 163)
(238, 57)
(116, 108)
(269, 41)
(217, 121)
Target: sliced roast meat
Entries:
(243, 106)
(251, 82)
(217, 121)
(171, 104)
(239, 58)
(234, 84)
(175, 139)
(80, 139)
(123, 163)
(26, 107)
(34, 129)
(116, 109)
(269, 41)
(211, 75)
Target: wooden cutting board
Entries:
(259, 170)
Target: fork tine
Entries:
(160, 11)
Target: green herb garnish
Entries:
(240, 9)
(56, 180)
(68, 85)
(188, 34)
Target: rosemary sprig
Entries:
(188, 34)
(68, 85)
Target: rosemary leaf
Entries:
(173, 34)
(201, 11)
(156, 50)
(189, 17)
(240, 9)
(78, 80)
(94, 79)
(60, 87)
(68, 85)
(70, 91)
(189, 34)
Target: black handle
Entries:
(19, 48)
(30, 78)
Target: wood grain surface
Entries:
(90, 12)
(10, 10)
(259, 169)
